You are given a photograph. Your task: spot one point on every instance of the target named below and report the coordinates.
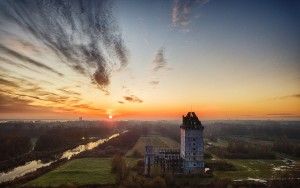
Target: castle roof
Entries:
(191, 121)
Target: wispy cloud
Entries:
(297, 96)
(294, 96)
(281, 114)
(86, 106)
(154, 82)
(12, 63)
(82, 34)
(133, 99)
(18, 104)
(27, 59)
(30, 96)
(9, 104)
(8, 83)
(182, 10)
(159, 61)
(68, 91)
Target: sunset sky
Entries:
(233, 59)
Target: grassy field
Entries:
(257, 169)
(251, 169)
(83, 171)
(219, 143)
(79, 172)
(154, 140)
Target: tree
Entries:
(119, 167)
(115, 162)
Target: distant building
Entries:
(187, 160)
(80, 118)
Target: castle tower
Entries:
(191, 143)
(149, 159)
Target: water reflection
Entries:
(36, 164)
(22, 170)
(91, 145)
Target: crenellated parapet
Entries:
(191, 121)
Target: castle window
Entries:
(194, 139)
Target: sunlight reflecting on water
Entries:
(36, 164)
(22, 170)
(91, 145)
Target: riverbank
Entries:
(33, 175)
(29, 171)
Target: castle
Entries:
(188, 159)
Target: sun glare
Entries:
(110, 116)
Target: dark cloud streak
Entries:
(154, 82)
(182, 9)
(295, 96)
(9, 104)
(8, 83)
(10, 62)
(68, 91)
(159, 61)
(27, 59)
(281, 114)
(133, 99)
(83, 34)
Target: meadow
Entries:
(252, 169)
(85, 171)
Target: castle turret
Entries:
(191, 143)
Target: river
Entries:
(37, 164)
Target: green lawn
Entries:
(79, 172)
